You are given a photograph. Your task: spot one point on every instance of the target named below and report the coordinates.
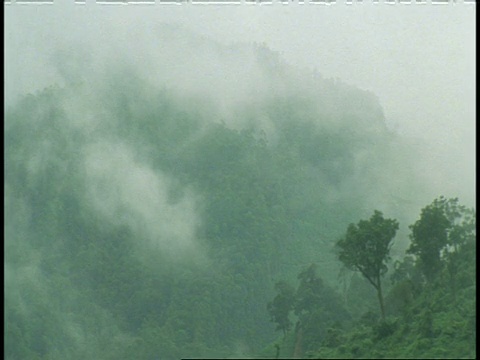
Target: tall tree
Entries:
(310, 292)
(281, 306)
(366, 248)
(318, 308)
(443, 229)
(429, 236)
(462, 227)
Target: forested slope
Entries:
(143, 222)
(429, 310)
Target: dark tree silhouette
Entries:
(281, 306)
(366, 247)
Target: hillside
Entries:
(150, 218)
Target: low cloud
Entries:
(125, 191)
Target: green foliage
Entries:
(424, 322)
(366, 248)
(281, 306)
(443, 227)
(83, 285)
(407, 271)
(429, 237)
(309, 292)
(384, 329)
(317, 307)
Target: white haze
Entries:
(418, 60)
(125, 191)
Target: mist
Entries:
(400, 53)
(166, 164)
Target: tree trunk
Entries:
(454, 287)
(298, 353)
(380, 299)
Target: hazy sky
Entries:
(418, 59)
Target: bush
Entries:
(384, 329)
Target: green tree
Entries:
(366, 248)
(309, 292)
(281, 306)
(429, 236)
(462, 227)
(318, 308)
(443, 229)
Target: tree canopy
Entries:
(281, 306)
(443, 226)
(366, 248)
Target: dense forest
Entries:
(146, 223)
(430, 308)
